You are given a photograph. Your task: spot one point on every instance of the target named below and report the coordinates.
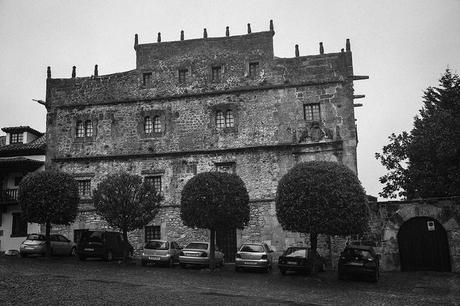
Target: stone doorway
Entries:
(226, 241)
(423, 245)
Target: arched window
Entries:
(148, 125)
(229, 120)
(220, 120)
(156, 124)
(80, 129)
(88, 128)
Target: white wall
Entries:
(6, 241)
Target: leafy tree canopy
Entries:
(125, 201)
(426, 161)
(215, 200)
(49, 197)
(321, 198)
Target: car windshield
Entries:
(92, 236)
(36, 237)
(157, 245)
(296, 252)
(197, 246)
(358, 253)
(253, 248)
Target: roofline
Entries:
(22, 128)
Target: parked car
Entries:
(299, 259)
(197, 253)
(160, 252)
(35, 244)
(254, 256)
(102, 244)
(359, 260)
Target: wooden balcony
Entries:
(9, 196)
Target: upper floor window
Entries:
(216, 73)
(148, 125)
(88, 128)
(253, 69)
(16, 138)
(156, 124)
(311, 112)
(229, 119)
(84, 188)
(155, 181)
(80, 129)
(146, 77)
(220, 120)
(182, 76)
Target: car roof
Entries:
(159, 240)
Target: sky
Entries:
(403, 46)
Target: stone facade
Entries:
(283, 111)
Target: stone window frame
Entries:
(224, 109)
(161, 115)
(156, 180)
(84, 187)
(182, 74)
(309, 112)
(221, 71)
(152, 232)
(147, 78)
(80, 129)
(219, 166)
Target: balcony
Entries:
(9, 196)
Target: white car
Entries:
(197, 253)
(35, 244)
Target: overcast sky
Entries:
(404, 46)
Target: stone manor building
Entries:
(208, 104)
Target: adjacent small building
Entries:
(22, 152)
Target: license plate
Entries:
(193, 254)
(291, 263)
(89, 249)
(248, 263)
(154, 258)
(358, 264)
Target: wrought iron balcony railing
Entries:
(8, 195)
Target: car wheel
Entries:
(109, 256)
(23, 255)
(72, 252)
(82, 258)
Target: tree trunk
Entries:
(125, 246)
(313, 253)
(48, 238)
(212, 255)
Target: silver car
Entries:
(254, 256)
(35, 244)
(160, 252)
(197, 253)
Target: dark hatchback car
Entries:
(299, 259)
(359, 260)
(102, 244)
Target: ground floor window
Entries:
(152, 233)
(19, 228)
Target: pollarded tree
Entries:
(215, 201)
(126, 202)
(49, 197)
(321, 198)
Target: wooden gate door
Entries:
(226, 241)
(423, 245)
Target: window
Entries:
(19, 228)
(88, 128)
(16, 138)
(311, 112)
(182, 76)
(228, 167)
(152, 233)
(253, 67)
(148, 125)
(220, 120)
(229, 120)
(146, 77)
(80, 129)
(216, 73)
(156, 124)
(155, 180)
(84, 188)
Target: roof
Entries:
(20, 162)
(36, 147)
(20, 129)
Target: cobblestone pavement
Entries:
(67, 281)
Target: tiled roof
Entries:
(36, 147)
(20, 129)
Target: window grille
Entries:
(253, 69)
(312, 112)
(88, 128)
(229, 120)
(84, 188)
(182, 76)
(152, 233)
(220, 120)
(155, 180)
(156, 124)
(148, 125)
(80, 129)
(146, 77)
(16, 138)
(216, 73)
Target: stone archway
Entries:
(423, 245)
